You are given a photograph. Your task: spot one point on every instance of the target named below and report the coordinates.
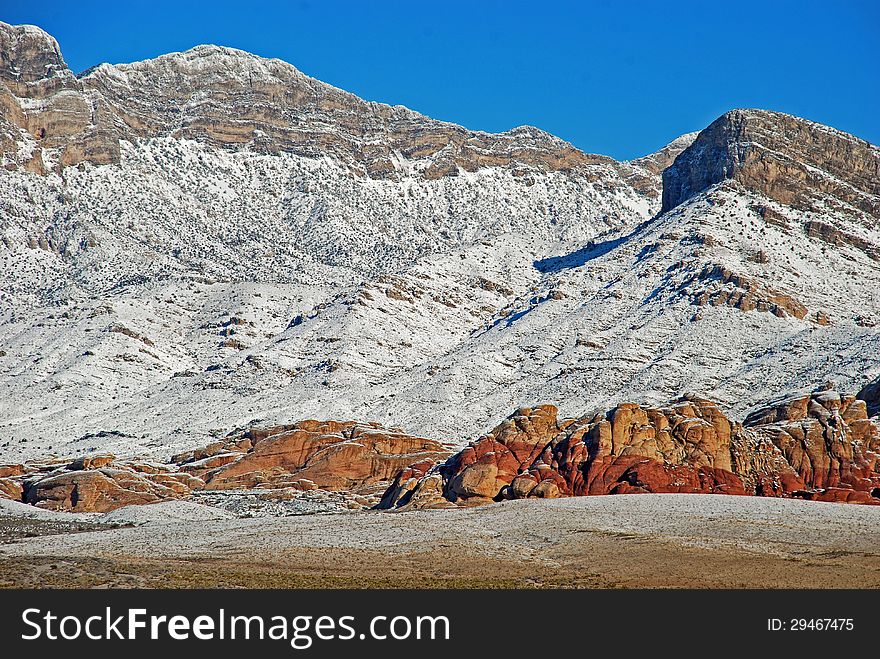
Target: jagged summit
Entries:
(791, 160)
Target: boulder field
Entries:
(821, 446)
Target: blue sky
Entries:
(620, 78)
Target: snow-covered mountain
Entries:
(209, 239)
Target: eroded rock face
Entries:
(683, 448)
(790, 160)
(820, 446)
(341, 456)
(329, 455)
(10, 489)
(827, 439)
(45, 110)
(420, 485)
(106, 488)
(719, 286)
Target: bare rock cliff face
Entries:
(790, 160)
(44, 106)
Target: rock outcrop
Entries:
(820, 446)
(790, 160)
(828, 441)
(716, 285)
(683, 448)
(10, 489)
(358, 459)
(99, 483)
(330, 455)
(108, 488)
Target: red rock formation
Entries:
(421, 483)
(683, 448)
(331, 455)
(719, 286)
(95, 461)
(827, 439)
(7, 471)
(820, 446)
(107, 488)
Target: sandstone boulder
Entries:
(94, 461)
(101, 490)
(417, 486)
(10, 489)
(332, 455)
(9, 470)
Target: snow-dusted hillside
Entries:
(180, 238)
(374, 264)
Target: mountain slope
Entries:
(209, 239)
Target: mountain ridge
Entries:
(207, 50)
(278, 98)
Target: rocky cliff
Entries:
(790, 160)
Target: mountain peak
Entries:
(791, 160)
(210, 52)
(28, 55)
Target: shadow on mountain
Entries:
(579, 257)
(592, 250)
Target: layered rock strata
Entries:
(233, 99)
(790, 160)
